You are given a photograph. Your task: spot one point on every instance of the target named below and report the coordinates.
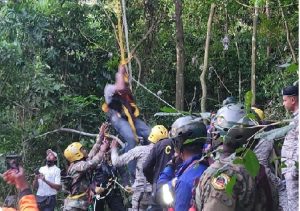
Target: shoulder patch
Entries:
(220, 182)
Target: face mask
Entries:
(50, 162)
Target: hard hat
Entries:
(260, 114)
(188, 128)
(231, 121)
(158, 132)
(73, 152)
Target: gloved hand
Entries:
(99, 190)
(128, 189)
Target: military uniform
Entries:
(81, 180)
(141, 187)
(263, 151)
(289, 158)
(211, 194)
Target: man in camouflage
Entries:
(248, 193)
(141, 188)
(79, 171)
(289, 151)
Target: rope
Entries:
(126, 40)
(155, 95)
(118, 11)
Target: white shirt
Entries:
(52, 174)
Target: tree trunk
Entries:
(179, 56)
(268, 17)
(204, 70)
(287, 33)
(253, 56)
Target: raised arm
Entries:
(120, 160)
(102, 130)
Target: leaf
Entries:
(238, 160)
(251, 163)
(248, 99)
(238, 150)
(168, 109)
(251, 116)
(230, 185)
(292, 68)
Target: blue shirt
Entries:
(187, 173)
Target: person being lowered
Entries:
(123, 113)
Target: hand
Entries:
(99, 190)
(128, 189)
(17, 178)
(42, 177)
(103, 129)
(122, 69)
(104, 146)
(114, 144)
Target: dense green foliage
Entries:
(57, 56)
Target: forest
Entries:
(184, 56)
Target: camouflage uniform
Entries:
(289, 158)
(263, 151)
(142, 189)
(78, 199)
(211, 194)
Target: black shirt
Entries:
(161, 153)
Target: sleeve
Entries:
(183, 195)
(85, 165)
(57, 179)
(121, 160)
(149, 164)
(109, 90)
(94, 150)
(166, 175)
(27, 201)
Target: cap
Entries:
(51, 151)
(290, 91)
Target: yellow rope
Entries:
(120, 39)
(118, 12)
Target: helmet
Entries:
(229, 100)
(73, 153)
(188, 126)
(258, 112)
(187, 130)
(158, 132)
(232, 122)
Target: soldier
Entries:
(249, 193)
(189, 135)
(79, 171)
(142, 189)
(289, 151)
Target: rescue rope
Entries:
(122, 49)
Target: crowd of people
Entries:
(191, 167)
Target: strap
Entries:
(76, 196)
(130, 121)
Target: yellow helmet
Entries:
(258, 112)
(73, 153)
(158, 132)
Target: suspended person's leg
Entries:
(142, 129)
(123, 128)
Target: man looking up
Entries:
(48, 182)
